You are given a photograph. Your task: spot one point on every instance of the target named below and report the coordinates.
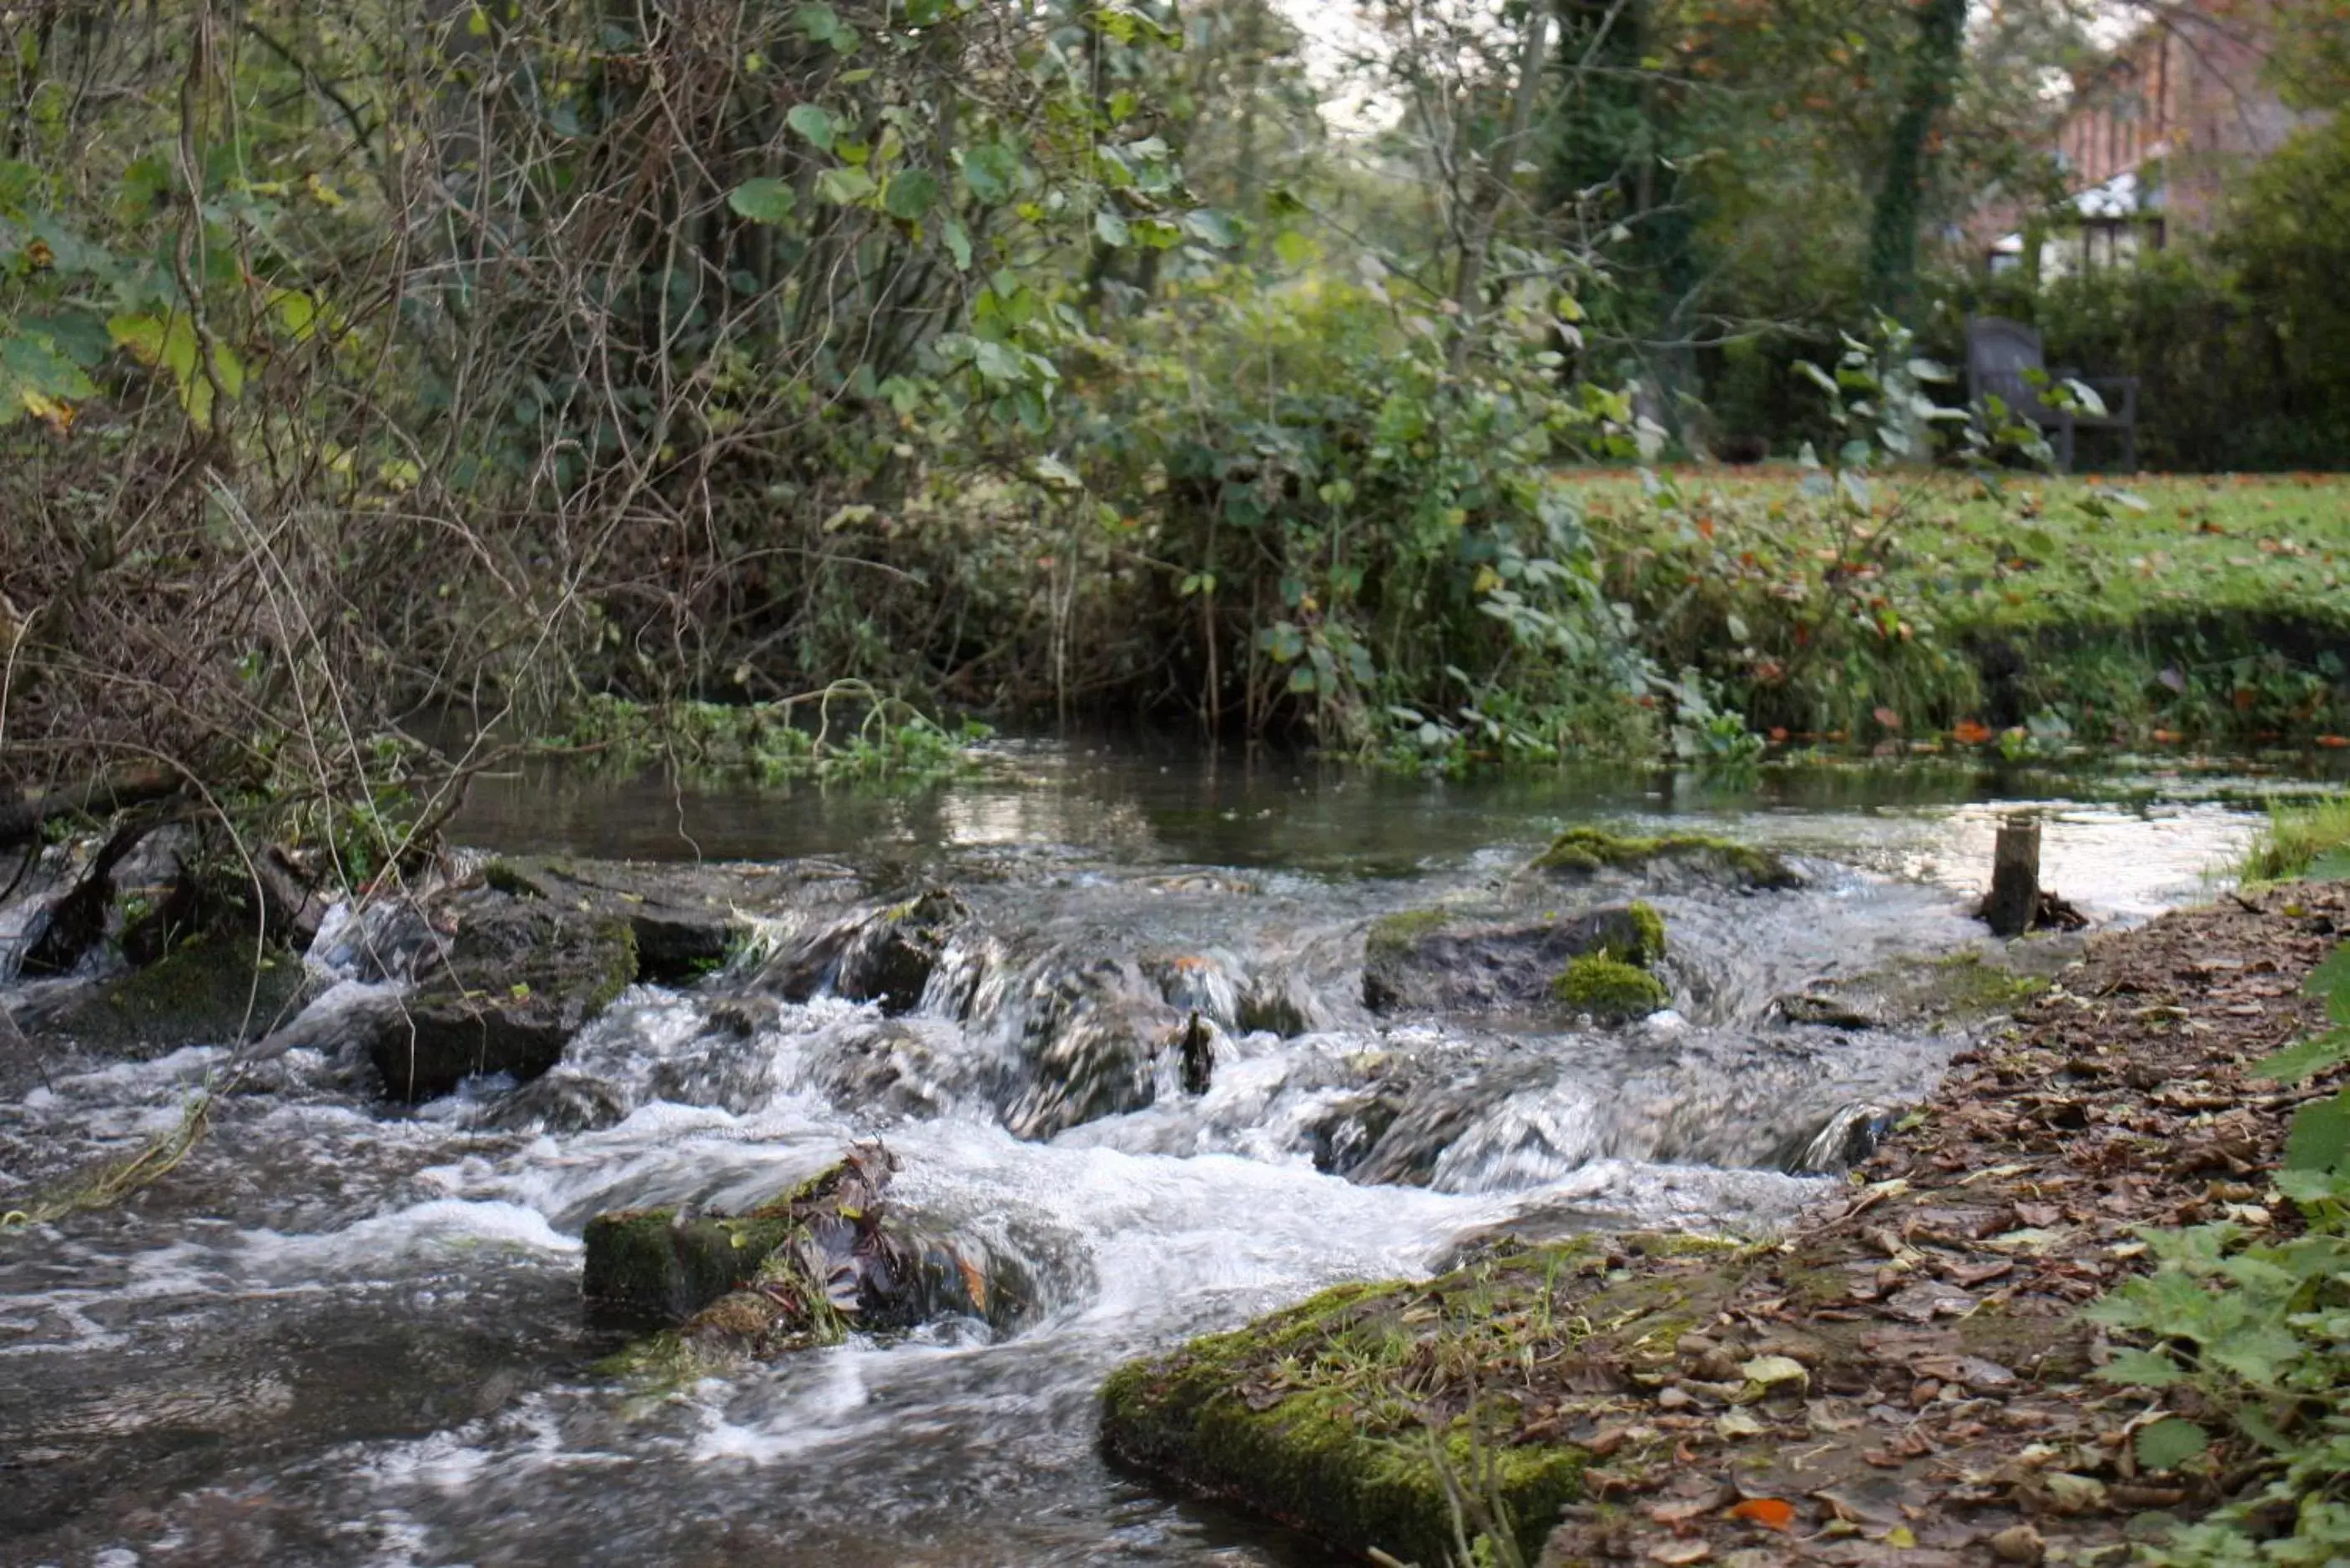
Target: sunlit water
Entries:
(344, 1335)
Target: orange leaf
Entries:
(2334, 743)
(1770, 1512)
(1970, 733)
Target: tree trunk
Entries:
(1935, 63)
(1501, 159)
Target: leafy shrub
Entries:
(1356, 534)
(2259, 1331)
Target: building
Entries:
(2151, 144)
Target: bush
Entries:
(1355, 525)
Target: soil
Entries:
(1957, 1272)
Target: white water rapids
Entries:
(347, 1334)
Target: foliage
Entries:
(2258, 1329)
(1351, 536)
(845, 732)
(2036, 615)
(2302, 840)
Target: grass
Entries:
(2302, 840)
(2204, 542)
(2167, 608)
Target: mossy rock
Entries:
(1609, 990)
(686, 919)
(798, 1271)
(1346, 1414)
(1581, 851)
(647, 1268)
(521, 979)
(1427, 960)
(218, 990)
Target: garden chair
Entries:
(2000, 352)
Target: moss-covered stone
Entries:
(1646, 944)
(1395, 934)
(647, 1266)
(1425, 961)
(1585, 850)
(522, 977)
(219, 990)
(1608, 989)
(1352, 1414)
(1304, 1417)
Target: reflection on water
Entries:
(340, 1335)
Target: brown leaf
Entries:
(1770, 1512)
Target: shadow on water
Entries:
(341, 1334)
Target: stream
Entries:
(347, 1332)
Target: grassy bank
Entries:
(2176, 610)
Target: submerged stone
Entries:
(687, 919)
(886, 956)
(1581, 851)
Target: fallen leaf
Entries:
(1770, 1512)
(1739, 1423)
(1679, 1553)
(2069, 1493)
(2018, 1543)
(1766, 1372)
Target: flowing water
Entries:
(341, 1332)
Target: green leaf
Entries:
(958, 240)
(2139, 1369)
(845, 187)
(1294, 249)
(813, 122)
(2258, 1356)
(911, 193)
(2330, 980)
(2304, 1058)
(991, 171)
(763, 200)
(1111, 230)
(2170, 1443)
(1209, 224)
(823, 25)
(2320, 1139)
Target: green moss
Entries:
(507, 877)
(1393, 934)
(645, 1266)
(620, 971)
(1304, 1416)
(1650, 928)
(206, 992)
(1967, 984)
(1608, 989)
(1588, 849)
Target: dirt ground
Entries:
(1904, 1378)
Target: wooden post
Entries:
(2014, 879)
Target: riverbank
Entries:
(1908, 1370)
(1918, 607)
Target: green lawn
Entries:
(2154, 608)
